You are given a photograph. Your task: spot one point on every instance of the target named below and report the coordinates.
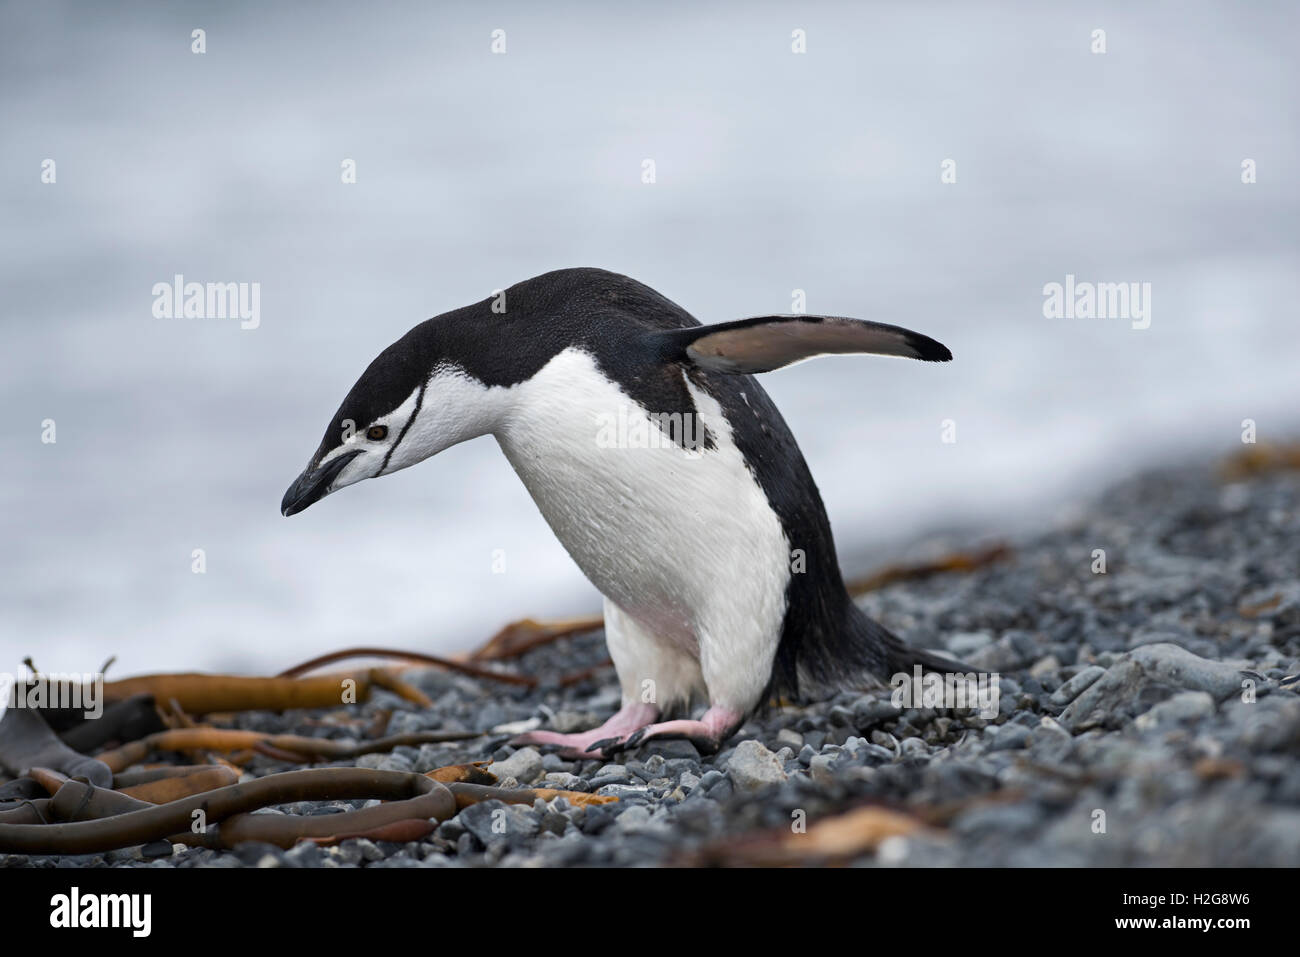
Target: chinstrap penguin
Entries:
(665, 471)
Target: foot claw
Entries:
(611, 746)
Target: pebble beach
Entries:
(1148, 715)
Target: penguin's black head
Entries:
(410, 403)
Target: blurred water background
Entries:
(775, 171)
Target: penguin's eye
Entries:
(376, 432)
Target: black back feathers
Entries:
(637, 336)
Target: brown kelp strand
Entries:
(196, 693)
(166, 790)
(35, 811)
(300, 747)
(953, 562)
(50, 780)
(285, 830)
(129, 779)
(79, 801)
(450, 664)
(1260, 459)
(124, 720)
(20, 789)
(26, 741)
(520, 637)
(157, 822)
(466, 773)
(835, 839)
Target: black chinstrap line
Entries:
(419, 401)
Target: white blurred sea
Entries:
(775, 172)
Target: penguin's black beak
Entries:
(313, 484)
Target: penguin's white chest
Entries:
(684, 542)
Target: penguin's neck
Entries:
(451, 407)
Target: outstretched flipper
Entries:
(764, 343)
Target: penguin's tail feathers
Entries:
(900, 657)
(883, 654)
(860, 654)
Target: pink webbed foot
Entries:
(591, 745)
(707, 734)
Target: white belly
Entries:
(686, 544)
